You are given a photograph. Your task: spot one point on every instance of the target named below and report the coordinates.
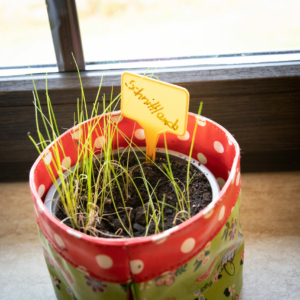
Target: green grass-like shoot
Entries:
(101, 173)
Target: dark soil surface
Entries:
(200, 196)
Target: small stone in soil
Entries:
(140, 215)
(207, 197)
(117, 224)
(169, 211)
(140, 229)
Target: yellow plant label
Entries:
(157, 106)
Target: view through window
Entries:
(126, 29)
(114, 30)
(25, 34)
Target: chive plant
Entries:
(88, 185)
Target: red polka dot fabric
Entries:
(142, 259)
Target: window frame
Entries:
(68, 46)
(182, 75)
(66, 37)
(258, 102)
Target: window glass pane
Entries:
(136, 29)
(25, 34)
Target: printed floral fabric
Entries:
(71, 283)
(215, 273)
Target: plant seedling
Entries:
(100, 180)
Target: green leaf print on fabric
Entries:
(125, 287)
(202, 258)
(225, 233)
(230, 230)
(226, 292)
(181, 270)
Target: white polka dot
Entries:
(221, 182)
(104, 261)
(208, 214)
(66, 163)
(201, 121)
(36, 212)
(201, 157)
(116, 118)
(232, 209)
(48, 158)
(76, 134)
(238, 178)
(59, 241)
(188, 245)
(218, 147)
(222, 212)
(74, 233)
(41, 190)
(229, 140)
(99, 142)
(136, 266)
(140, 134)
(185, 137)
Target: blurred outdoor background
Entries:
(137, 29)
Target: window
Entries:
(145, 33)
(255, 95)
(114, 30)
(25, 36)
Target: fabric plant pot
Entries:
(201, 258)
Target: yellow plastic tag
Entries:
(157, 106)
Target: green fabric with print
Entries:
(215, 273)
(70, 283)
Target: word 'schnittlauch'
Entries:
(154, 108)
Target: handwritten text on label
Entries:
(153, 107)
